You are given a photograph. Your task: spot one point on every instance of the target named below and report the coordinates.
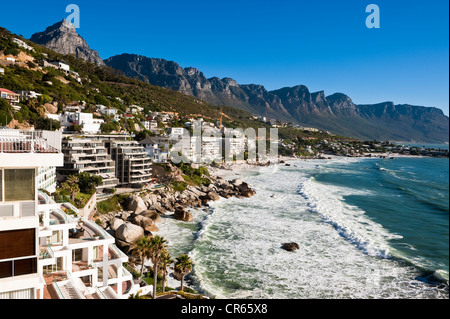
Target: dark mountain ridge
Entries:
(336, 113)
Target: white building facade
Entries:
(21, 155)
(46, 250)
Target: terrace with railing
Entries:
(19, 141)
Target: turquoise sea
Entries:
(367, 228)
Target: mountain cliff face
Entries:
(63, 38)
(336, 113)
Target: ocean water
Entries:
(367, 228)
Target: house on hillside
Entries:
(23, 45)
(157, 148)
(12, 97)
(89, 124)
(151, 125)
(60, 65)
(134, 109)
(72, 108)
(26, 95)
(105, 110)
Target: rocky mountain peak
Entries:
(336, 113)
(62, 37)
(66, 26)
(230, 82)
(193, 71)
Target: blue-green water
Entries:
(367, 228)
(408, 197)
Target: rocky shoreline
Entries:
(142, 214)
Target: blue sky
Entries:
(324, 45)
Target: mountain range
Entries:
(336, 113)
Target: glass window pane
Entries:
(17, 243)
(6, 269)
(25, 267)
(1, 185)
(6, 210)
(19, 184)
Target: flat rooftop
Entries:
(20, 148)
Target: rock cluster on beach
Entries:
(142, 214)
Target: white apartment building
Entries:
(78, 259)
(133, 166)
(205, 148)
(21, 155)
(211, 143)
(235, 144)
(45, 253)
(211, 149)
(109, 111)
(157, 148)
(151, 125)
(85, 154)
(61, 65)
(88, 123)
(46, 178)
(176, 132)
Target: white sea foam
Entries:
(350, 221)
(236, 246)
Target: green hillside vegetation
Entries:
(107, 86)
(101, 85)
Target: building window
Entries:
(17, 243)
(18, 267)
(19, 184)
(25, 266)
(56, 238)
(6, 269)
(77, 255)
(7, 211)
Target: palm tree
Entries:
(158, 246)
(71, 186)
(166, 261)
(183, 266)
(142, 249)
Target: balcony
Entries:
(58, 217)
(27, 149)
(88, 231)
(46, 253)
(142, 179)
(18, 141)
(82, 266)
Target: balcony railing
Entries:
(57, 289)
(95, 228)
(18, 141)
(46, 253)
